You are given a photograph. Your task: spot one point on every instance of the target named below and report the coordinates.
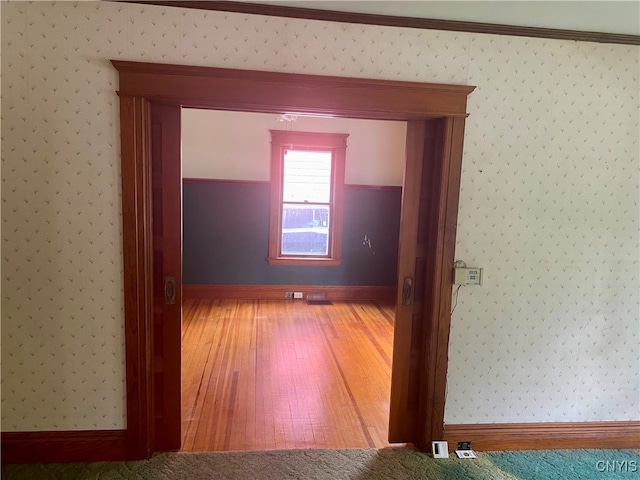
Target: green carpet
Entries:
(547, 464)
(357, 464)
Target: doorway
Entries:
(310, 376)
(151, 96)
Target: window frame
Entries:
(336, 143)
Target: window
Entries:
(307, 185)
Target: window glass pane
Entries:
(307, 176)
(305, 229)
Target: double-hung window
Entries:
(307, 187)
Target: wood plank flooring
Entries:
(271, 374)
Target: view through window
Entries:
(307, 183)
(306, 209)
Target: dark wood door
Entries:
(167, 275)
(426, 255)
(414, 259)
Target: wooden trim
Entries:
(296, 138)
(275, 92)
(291, 261)
(397, 21)
(135, 128)
(65, 446)
(142, 84)
(446, 191)
(275, 194)
(373, 187)
(351, 186)
(545, 436)
(276, 292)
(225, 181)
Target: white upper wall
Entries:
(237, 145)
(590, 15)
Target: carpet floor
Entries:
(356, 464)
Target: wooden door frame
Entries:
(142, 84)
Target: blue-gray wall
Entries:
(226, 235)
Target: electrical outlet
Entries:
(467, 276)
(463, 446)
(298, 295)
(463, 450)
(288, 294)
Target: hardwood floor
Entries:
(270, 374)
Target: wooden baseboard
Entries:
(545, 436)
(64, 446)
(277, 292)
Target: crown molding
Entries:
(395, 21)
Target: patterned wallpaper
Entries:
(548, 203)
(549, 207)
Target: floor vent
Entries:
(318, 299)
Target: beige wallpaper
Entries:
(549, 203)
(549, 207)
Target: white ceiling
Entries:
(591, 16)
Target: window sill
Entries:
(306, 262)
